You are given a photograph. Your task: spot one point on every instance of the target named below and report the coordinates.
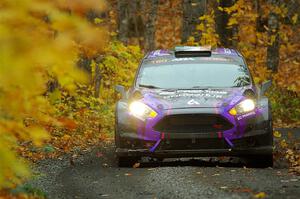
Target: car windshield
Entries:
(187, 76)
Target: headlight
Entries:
(141, 110)
(243, 107)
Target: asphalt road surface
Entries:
(96, 175)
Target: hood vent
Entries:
(192, 51)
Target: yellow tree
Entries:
(39, 39)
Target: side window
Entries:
(248, 71)
(137, 73)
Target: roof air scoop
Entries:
(192, 51)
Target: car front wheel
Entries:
(260, 161)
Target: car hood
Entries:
(204, 98)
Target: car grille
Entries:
(192, 123)
(186, 144)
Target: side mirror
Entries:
(121, 89)
(265, 86)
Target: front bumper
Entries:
(249, 135)
(255, 142)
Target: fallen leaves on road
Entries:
(105, 165)
(283, 144)
(294, 160)
(284, 180)
(277, 134)
(136, 165)
(279, 173)
(243, 190)
(99, 154)
(260, 195)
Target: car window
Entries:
(194, 75)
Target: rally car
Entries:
(193, 102)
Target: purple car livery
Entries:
(193, 102)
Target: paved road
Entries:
(96, 175)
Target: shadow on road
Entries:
(191, 162)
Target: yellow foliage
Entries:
(260, 195)
(84, 120)
(283, 144)
(220, 8)
(232, 21)
(253, 45)
(295, 18)
(118, 67)
(209, 37)
(168, 26)
(38, 39)
(277, 134)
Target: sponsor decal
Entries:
(225, 51)
(159, 61)
(195, 93)
(158, 53)
(246, 115)
(183, 59)
(186, 59)
(193, 102)
(224, 59)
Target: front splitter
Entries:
(264, 150)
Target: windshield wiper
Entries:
(149, 86)
(198, 88)
(191, 88)
(206, 87)
(170, 89)
(201, 87)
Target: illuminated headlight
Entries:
(243, 107)
(141, 110)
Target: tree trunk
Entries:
(98, 76)
(123, 20)
(97, 81)
(273, 46)
(130, 23)
(192, 10)
(149, 34)
(226, 34)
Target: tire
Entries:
(270, 130)
(117, 134)
(117, 139)
(122, 161)
(126, 161)
(260, 161)
(263, 161)
(266, 161)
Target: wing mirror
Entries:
(265, 86)
(121, 89)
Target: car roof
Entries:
(217, 55)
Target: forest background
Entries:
(60, 61)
